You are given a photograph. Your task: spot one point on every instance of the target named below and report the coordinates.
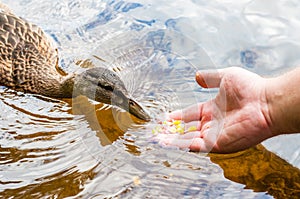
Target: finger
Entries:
(194, 144)
(161, 137)
(191, 113)
(209, 78)
(190, 135)
(192, 126)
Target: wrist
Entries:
(281, 98)
(273, 98)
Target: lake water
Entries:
(81, 149)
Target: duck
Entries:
(29, 63)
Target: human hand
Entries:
(236, 119)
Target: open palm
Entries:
(235, 120)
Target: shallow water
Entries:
(81, 149)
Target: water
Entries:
(81, 149)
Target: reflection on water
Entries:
(57, 148)
(108, 123)
(262, 171)
(79, 148)
(34, 145)
(54, 157)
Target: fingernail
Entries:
(175, 115)
(200, 80)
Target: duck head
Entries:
(105, 86)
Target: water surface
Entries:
(59, 148)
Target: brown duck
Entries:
(29, 63)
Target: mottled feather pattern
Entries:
(28, 62)
(23, 63)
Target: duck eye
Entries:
(131, 103)
(106, 87)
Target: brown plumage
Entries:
(29, 63)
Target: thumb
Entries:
(209, 78)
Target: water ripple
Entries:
(82, 149)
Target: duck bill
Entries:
(137, 110)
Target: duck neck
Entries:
(57, 87)
(66, 86)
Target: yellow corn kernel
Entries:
(180, 131)
(154, 132)
(192, 128)
(177, 122)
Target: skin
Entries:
(247, 110)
